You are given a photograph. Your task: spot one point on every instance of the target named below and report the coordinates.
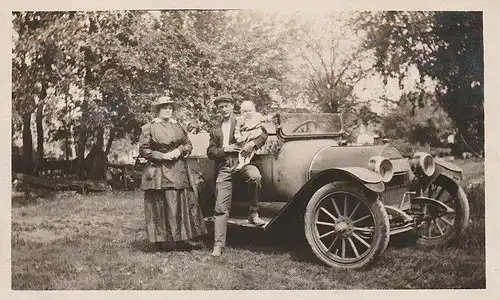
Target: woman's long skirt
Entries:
(173, 215)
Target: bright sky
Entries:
(329, 25)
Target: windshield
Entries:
(298, 124)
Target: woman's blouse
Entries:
(159, 137)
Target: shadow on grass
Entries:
(403, 240)
(271, 243)
(143, 246)
(259, 242)
(295, 245)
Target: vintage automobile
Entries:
(346, 200)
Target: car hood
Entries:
(353, 156)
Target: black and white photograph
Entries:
(174, 149)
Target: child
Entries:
(248, 126)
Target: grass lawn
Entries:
(98, 242)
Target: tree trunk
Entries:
(95, 162)
(459, 143)
(110, 141)
(82, 139)
(334, 106)
(39, 137)
(27, 144)
(66, 130)
(67, 149)
(82, 133)
(100, 139)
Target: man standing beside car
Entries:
(222, 150)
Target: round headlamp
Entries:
(383, 166)
(423, 163)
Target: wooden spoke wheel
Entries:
(346, 226)
(436, 227)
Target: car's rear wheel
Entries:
(346, 226)
(437, 227)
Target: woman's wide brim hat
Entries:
(163, 100)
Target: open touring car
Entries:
(347, 200)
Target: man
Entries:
(223, 151)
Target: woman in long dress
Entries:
(173, 215)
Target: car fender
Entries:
(443, 169)
(448, 169)
(286, 216)
(371, 180)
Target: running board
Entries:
(242, 222)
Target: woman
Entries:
(172, 211)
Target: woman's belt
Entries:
(162, 149)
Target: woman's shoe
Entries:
(162, 246)
(193, 244)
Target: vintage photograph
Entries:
(247, 149)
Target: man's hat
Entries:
(162, 101)
(224, 98)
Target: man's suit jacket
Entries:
(215, 148)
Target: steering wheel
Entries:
(305, 123)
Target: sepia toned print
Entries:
(368, 173)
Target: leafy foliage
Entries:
(426, 125)
(116, 62)
(445, 46)
(98, 71)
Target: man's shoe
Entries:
(217, 251)
(254, 219)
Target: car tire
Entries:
(445, 234)
(345, 217)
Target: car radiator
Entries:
(395, 189)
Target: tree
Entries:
(427, 125)
(206, 53)
(334, 64)
(445, 46)
(104, 69)
(44, 52)
(331, 82)
(253, 56)
(32, 74)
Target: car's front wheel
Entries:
(437, 227)
(346, 226)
